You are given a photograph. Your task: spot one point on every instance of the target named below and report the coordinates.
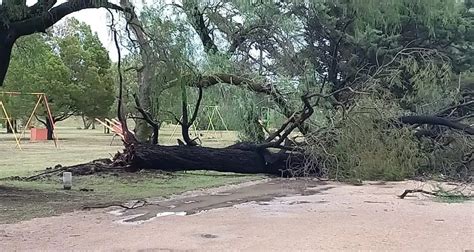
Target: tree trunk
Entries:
(7, 39)
(143, 131)
(106, 129)
(49, 127)
(14, 124)
(86, 122)
(230, 159)
(154, 137)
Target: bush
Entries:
(450, 156)
(365, 151)
(251, 130)
(366, 146)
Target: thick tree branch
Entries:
(433, 120)
(281, 129)
(196, 18)
(149, 119)
(129, 138)
(196, 109)
(39, 120)
(449, 109)
(186, 123)
(46, 19)
(63, 116)
(299, 120)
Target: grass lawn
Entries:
(20, 200)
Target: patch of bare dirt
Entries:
(276, 215)
(13, 202)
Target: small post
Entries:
(67, 180)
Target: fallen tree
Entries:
(242, 157)
(231, 159)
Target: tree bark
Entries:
(14, 129)
(434, 120)
(7, 39)
(146, 74)
(86, 122)
(50, 128)
(230, 159)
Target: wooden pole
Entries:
(48, 110)
(29, 119)
(10, 124)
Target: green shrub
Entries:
(366, 146)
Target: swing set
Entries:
(212, 112)
(41, 99)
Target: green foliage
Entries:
(71, 66)
(35, 68)
(89, 65)
(423, 86)
(251, 130)
(367, 148)
(449, 156)
(390, 15)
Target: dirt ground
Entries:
(283, 215)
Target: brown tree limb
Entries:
(434, 120)
(47, 18)
(129, 138)
(277, 133)
(186, 123)
(300, 118)
(136, 204)
(149, 119)
(196, 109)
(442, 112)
(196, 18)
(406, 192)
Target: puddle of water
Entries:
(138, 219)
(260, 194)
(170, 213)
(118, 212)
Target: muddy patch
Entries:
(258, 193)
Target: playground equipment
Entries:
(114, 126)
(8, 119)
(211, 112)
(41, 99)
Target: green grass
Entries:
(22, 200)
(451, 196)
(131, 186)
(80, 146)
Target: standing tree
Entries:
(89, 65)
(35, 68)
(17, 19)
(75, 75)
